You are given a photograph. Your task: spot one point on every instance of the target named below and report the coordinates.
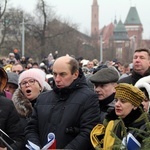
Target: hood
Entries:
(22, 104)
(3, 79)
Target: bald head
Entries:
(68, 61)
(65, 71)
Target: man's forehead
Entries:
(140, 53)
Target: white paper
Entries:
(50, 141)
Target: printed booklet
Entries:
(50, 139)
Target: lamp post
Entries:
(23, 35)
(101, 48)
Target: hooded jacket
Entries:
(70, 113)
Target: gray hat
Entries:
(12, 78)
(105, 75)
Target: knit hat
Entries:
(129, 93)
(34, 73)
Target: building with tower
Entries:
(119, 39)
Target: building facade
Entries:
(119, 40)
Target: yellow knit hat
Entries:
(129, 93)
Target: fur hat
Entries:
(105, 75)
(3, 79)
(129, 93)
(34, 73)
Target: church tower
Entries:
(134, 27)
(95, 21)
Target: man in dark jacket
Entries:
(104, 82)
(70, 110)
(141, 66)
(9, 118)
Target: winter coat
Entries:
(134, 123)
(23, 106)
(70, 113)
(134, 77)
(10, 122)
(111, 133)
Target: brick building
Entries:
(119, 40)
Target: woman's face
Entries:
(123, 107)
(145, 104)
(30, 88)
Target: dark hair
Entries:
(126, 65)
(74, 65)
(35, 63)
(145, 92)
(143, 50)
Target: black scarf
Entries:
(106, 101)
(64, 93)
(137, 76)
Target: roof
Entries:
(120, 32)
(133, 17)
(107, 32)
(120, 27)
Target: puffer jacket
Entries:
(10, 122)
(69, 113)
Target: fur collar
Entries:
(22, 104)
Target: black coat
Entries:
(10, 122)
(69, 113)
(134, 77)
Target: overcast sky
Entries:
(79, 11)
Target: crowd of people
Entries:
(85, 104)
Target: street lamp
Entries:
(101, 48)
(23, 35)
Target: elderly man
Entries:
(104, 85)
(70, 110)
(141, 66)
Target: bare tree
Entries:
(2, 11)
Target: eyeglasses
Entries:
(29, 82)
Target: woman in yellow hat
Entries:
(124, 126)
